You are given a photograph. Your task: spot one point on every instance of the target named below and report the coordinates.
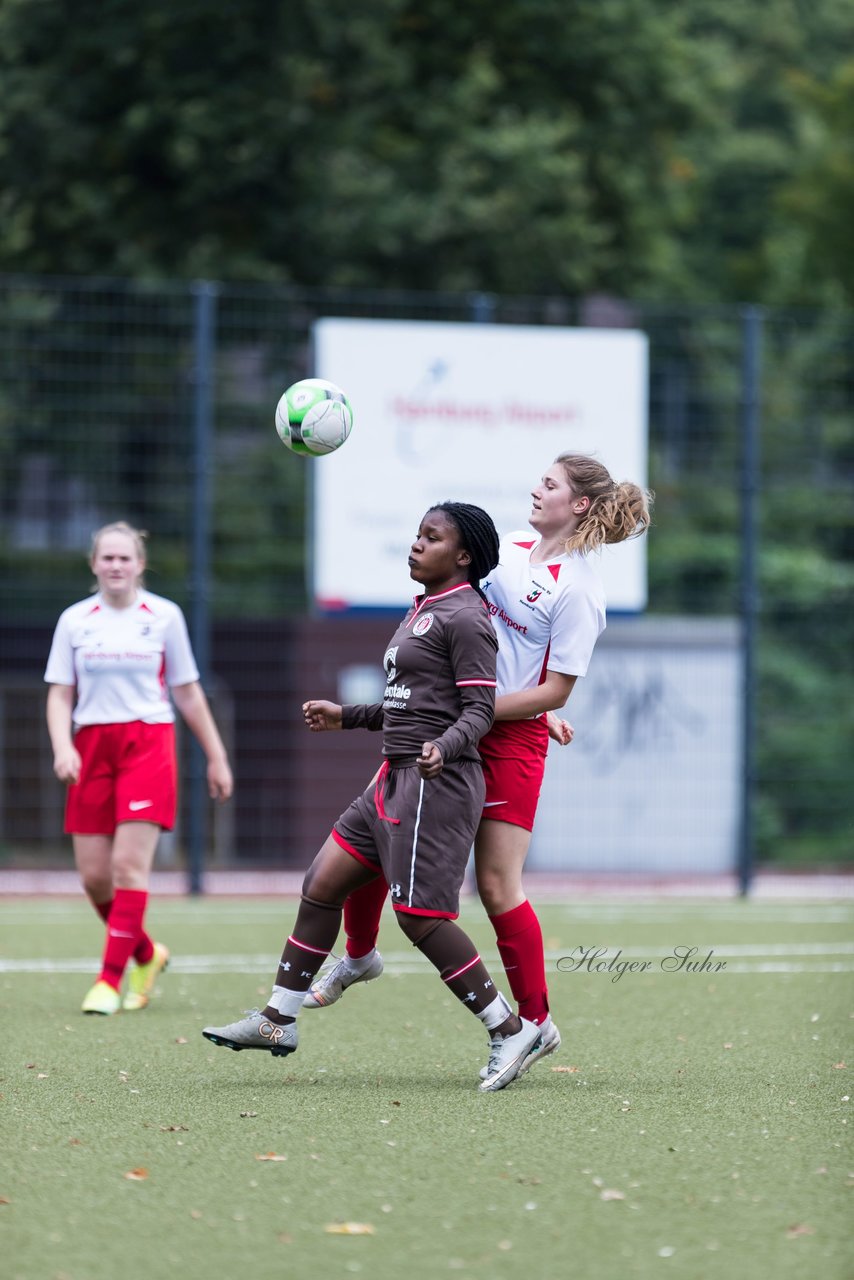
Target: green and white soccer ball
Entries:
(314, 417)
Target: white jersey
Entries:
(122, 660)
(547, 616)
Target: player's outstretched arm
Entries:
(322, 716)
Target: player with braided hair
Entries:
(478, 534)
(413, 827)
(548, 608)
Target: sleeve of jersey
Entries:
(577, 623)
(360, 716)
(177, 651)
(60, 662)
(472, 647)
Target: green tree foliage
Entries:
(536, 146)
(819, 196)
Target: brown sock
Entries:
(315, 931)
(453, 953)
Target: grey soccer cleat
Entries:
(549, 1043)
(255, 1031)
(507, 1055)
(331, 985)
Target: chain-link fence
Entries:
(154, 403)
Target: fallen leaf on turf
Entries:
(799, 1229)
(349, 1229)
(4, 1200)
(74, 1142)
(42, 1075)
(728, 1046)
(271, 1155)
(182, 1040)
(136, 1175)
(173, 1128)
(395, 1104)
(569, 1070)
(608, 1193)
(284, 1238)
(196, 1213)
(839, 1066)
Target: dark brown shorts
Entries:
(417, 833)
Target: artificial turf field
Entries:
(693, 1124)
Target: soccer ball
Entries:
(313, 417)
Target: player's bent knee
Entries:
(417, 928)
(316, 902)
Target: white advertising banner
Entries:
(467, 413)
(651, 782)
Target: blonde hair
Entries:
(137, 536)
(616, 511)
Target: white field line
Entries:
(817, 957)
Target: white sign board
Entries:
(652, 779)
(467, 413)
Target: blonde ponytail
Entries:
(616, 511)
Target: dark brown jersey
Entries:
(440, 673)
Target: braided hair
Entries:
(478, 536)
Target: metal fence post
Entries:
(204, 329)
(750, 415)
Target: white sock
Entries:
(358, 964)
(287, 1003)
(495, 1013)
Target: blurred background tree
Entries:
(678, 149)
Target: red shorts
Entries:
(128, 773)
(514, 760)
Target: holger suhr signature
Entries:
(598, 960)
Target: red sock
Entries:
(124, 927)
(520, 945)
(144, 949)
(362, 912)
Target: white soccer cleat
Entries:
(507, 1055)
(331, 985)
(549, 1043)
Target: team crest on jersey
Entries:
(423, 625)
(533, 595)
(389, 662)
